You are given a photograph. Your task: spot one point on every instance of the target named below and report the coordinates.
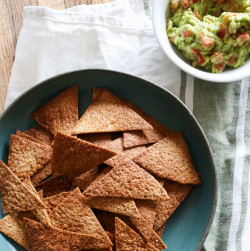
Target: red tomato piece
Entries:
(243, 36)
(187, 33)
(206, 41)
(199, 58)
(223, 31)
(231, 60)
(219, 67)
(195, 1)
(219, 57)
(185, 3)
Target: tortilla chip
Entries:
(115, 145)
(143, 137)
(108, 113)
(11, 226)
(96, 93)
(156, 241)
(52, 201)
(49, 238)
(161, 230)
(73, 214)
(41, 134)
(60, 113)
(26, 157)
(100, 139)
(177, 193)
(125, 155)
(41, 174)
(40, 193)
(72, 156)
(85, 179)
(127, 239)
(16, 197)
(170, 159)
(54, 186)
(145, 223)
(127, 181)
(26, 136)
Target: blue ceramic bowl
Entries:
(188, 227)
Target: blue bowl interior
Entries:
(188, 226)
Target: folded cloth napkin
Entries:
(119, 36)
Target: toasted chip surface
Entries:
(74, 214)
(52, 239)
(41, 134)
(108, 113)
(26, 157)
(129, 240)
(27, 136)
(54, 186)
(71, 156)
(12, 227)
(142, 137)
(59, 114)
(15, 196)
(85, 179)
(127, 181)
(170, 159)
(41, 174)
(177, 193)
(100, 139)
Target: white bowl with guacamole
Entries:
(209, 39)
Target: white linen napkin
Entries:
(115, 36)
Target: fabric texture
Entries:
(119, 36)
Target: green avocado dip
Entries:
(212, 34)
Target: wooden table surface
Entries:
(10, 25)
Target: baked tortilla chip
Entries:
(177, 193)
(41, 174)
(27, 157)
(59, 114)
(170, 159)
(72, 156)
(127, 181)
(108, 113)
(52, 239)
(26, 136)
(143, 137)
(85, 179)
(74, 214)
(125, 155)
(156, 241)
(54, 186)
(161, 230)
(52, 201)
(129, 240)
(12, 227)
(100, 139)
(41, 134)
(16, 197)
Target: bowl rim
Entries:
(162, 90)
(168, 50)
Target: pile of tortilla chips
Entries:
(108, 181)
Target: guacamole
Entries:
(212, 34)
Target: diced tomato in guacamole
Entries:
(213, 34)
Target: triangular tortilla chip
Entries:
(129, 240)
(125, 155)
(127, 181)
(72, 156)
(54, 186)
(143, 137)
(52, 201)
(60, 113)
(177, 193)
(27, 157)
(73, 214)
(85, 179)
(161, 230)
(170, 159)
(41, 134)
(49, 238)
(108, 113)
(145, 223)
(115, 205)
(26, 136)
(12, 227)
(156, 241)
(16, 197)
(41, 174)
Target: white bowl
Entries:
(160, 13)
